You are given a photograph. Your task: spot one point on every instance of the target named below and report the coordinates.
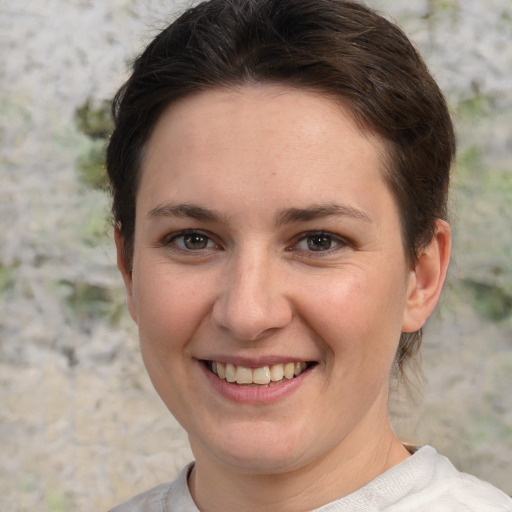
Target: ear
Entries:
(126, 272)
(427, 278)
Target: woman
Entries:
(280, 172)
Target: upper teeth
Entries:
(263, 375)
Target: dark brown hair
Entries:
(339, 48)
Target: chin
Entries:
(255, 450)
(256, 464)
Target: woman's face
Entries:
(267, 243)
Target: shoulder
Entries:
(161, 498)
(445, 489)
(151, 500)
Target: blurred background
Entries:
(81, 428)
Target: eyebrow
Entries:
(185, 210)
(286, 216)
(319, 211)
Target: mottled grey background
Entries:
(80, 426)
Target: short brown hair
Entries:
(340, 48)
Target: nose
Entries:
(252, 303)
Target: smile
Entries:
(263, 376)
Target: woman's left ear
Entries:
(427, 278)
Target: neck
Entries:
(355, 462)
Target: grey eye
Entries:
(191, 241)
(195, 241)
(319, 242)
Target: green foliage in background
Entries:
(86, 302)
(491, 301)
(95, 227)
(441, 6)
(95, 122)
(91, 165)
(6, 278)
(57, 501)
(482, 214)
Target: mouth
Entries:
(263, 376)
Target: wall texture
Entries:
(81, 428)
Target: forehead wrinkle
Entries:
(290, 215)
(186, 210)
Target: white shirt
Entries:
(425, 482)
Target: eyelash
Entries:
(339, 243)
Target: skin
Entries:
(296, 255)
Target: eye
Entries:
(191, 241)
(319, 241)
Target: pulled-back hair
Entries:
(339, 48)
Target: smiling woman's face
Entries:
(268, 243)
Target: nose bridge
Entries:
(253, 301)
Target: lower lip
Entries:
(254, 394)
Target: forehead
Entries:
(261, 107)
(284, 143)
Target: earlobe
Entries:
(427, 278)
(126, 272)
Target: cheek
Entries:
(357, 314)
(170, 307)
